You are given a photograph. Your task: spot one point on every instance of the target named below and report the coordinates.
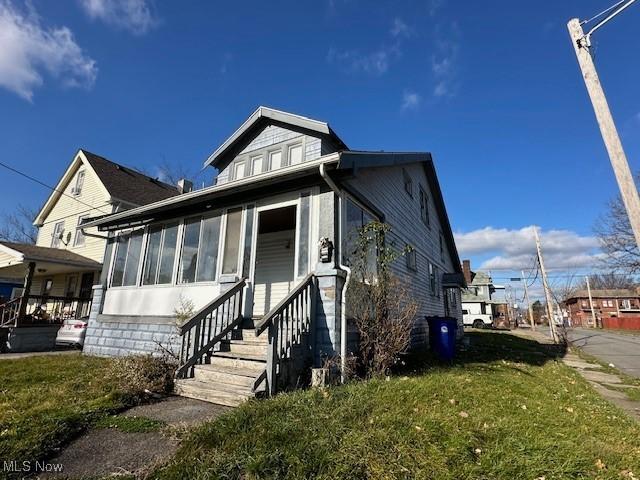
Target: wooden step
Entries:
(233, 360)
(249, 335)
(216, 374)
(242, 347)
(221, 394)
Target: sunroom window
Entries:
(189, 257)
(160, 256)
(127, 259)
(208, 256)
(232, 242)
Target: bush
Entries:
(137, 376)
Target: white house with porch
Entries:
(262, 256)
(58, 272)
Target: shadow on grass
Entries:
(487, 348)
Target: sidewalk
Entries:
(608, 382)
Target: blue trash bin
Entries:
(442, 336)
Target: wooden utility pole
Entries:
(628, 190)
(547, 291)
(593, 310)
(526, 296)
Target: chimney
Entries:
(466, 271)
(184, 185)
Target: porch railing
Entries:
(291, 326)
(43, 309)
(209, 326)
(9, 312)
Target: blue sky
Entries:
(492, 89)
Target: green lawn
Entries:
(47, 400)
(505, 410)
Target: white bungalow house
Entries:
(261, 256)
(58, 272)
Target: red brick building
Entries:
(618, 303)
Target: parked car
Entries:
(476, 320)
(72, 332)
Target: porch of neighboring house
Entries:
(56, 286)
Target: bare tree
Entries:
(617, 239)
(610, 280)
(18, 226)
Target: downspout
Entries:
(343, 309)
(86, 234)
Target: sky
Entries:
(491, 89)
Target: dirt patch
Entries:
(108, 451)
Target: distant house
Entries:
(58, 272)
(480, 309)
(612, 303)
(263, 258)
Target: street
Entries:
(623, 350)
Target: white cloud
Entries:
(513, 249)
(444, 59)
(27, 48)
(400, 29)
(376, 62)
(137, 16)
(410, 100)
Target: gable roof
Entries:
(119, 184)
(27, 252)
(262, 117)
(128, 185)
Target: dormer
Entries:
(269, 140)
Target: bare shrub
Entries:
(381, 306)
(137, 376)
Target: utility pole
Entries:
(526, 296)
(582, 46)
(547, 291)
(593, 310)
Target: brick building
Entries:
(613, 303)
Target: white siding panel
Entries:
(274, 269)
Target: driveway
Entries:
(623, 350)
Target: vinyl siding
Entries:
(273, 136)
(69, 207)
(384, 188)
(274, 269)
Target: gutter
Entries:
(343, 299)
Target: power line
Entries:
(29, 177)
(603, 12)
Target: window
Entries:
(77, 190)
(127, 259)
(295, 154)
(70, 287)
(412, 263)
(209, 241)
(256, 165)
(275, 160)
(189, 257)
(584, 303)
(238, 170)
(232, 242)
(607, 303)
(150, 269)
(424, 206)
(441, 246)
(432, 278)
(626, 304)
(167, 253)
(78, 240)
(408, 183)
(56, 236)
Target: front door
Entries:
(275, 258)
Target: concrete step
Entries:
(221, 394)
(233, 360)
(242, 347)
(249, 335)
(216, 374)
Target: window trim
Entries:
(57, 239)
(412, 254)
(424, 205)
(79, 232)
(407, 182)
(80, 175)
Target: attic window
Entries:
(408, 183)
(77, 190)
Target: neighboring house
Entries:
(262, 257)
(479, 308)
(58, 272)
(612, 303)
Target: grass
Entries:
(47, 400)
(128, 424)
(506, 410)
